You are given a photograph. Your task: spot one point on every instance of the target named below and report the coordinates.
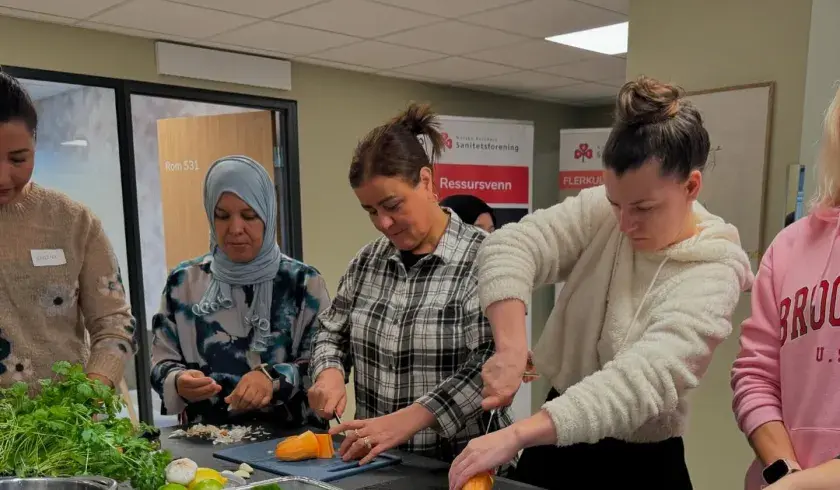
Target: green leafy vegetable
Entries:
(70, 428)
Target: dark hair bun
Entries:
(647, 101)
(418, 119)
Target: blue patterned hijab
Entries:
(248, 180)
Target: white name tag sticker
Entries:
(48, 258)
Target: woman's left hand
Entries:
(366, 439)
(253, 392)
(483, 454)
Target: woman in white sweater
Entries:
(651, 281)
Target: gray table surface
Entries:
(414, 472)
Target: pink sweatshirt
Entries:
(788, 368)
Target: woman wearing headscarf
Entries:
(472, 210)
(233, 336)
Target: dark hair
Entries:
(15, 104)
(468, 207)
(654, 121)
(394, 150)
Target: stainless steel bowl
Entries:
(292, 483)
(80, 483)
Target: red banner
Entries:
(580, 179)
(494, 184)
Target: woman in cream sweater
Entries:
(61, 291)
(652, 279)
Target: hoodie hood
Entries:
(717, 241)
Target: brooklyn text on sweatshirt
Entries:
(631, 333)
(788, 368)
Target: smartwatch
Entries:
(271, 373)
(777, 470)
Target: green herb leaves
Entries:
(70, 428)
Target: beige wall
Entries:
(335, 109)
(716, 43)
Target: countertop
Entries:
(414, 473)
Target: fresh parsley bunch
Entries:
(70, 428)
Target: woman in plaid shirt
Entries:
(406, 315)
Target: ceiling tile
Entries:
(601, 68)
(544, 18)
(453, 37)
(533, 54)
(580, 91)
(527, 81)
(76, 9)
(357, 18)
(622, 6)
(378, 55)
(171, 18)
(264, 9)
(133, 32)
(448, 8)
(455, 69)
(25, 14)
(285, 38)
(334, 64)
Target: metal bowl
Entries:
(79, 483)
(291, 483)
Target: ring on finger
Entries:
(356, 431)
(367, 443)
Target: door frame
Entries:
(287, 139)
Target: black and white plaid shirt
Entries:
(415, 335)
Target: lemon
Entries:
(206, 474)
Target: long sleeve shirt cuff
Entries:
(758, 417)
(449, 416)
(317, 367)
(171, 399)
(105, 363)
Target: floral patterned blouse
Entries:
(218, 344)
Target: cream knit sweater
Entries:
(50, 304)
(631, 333)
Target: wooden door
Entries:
(187, 147)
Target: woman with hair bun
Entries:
(406, 314)
(651, 281)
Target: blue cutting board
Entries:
(260, 455)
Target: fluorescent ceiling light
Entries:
(607, 40)
(80, 143)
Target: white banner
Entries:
(491, 159)
(580, 157)
(580, 163)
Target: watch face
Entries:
(776, 471)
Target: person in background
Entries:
(406, 316)
(790, 218)
(234, 333)
(651, 281)
(59, 277)
(472, 210)
(785, 389)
